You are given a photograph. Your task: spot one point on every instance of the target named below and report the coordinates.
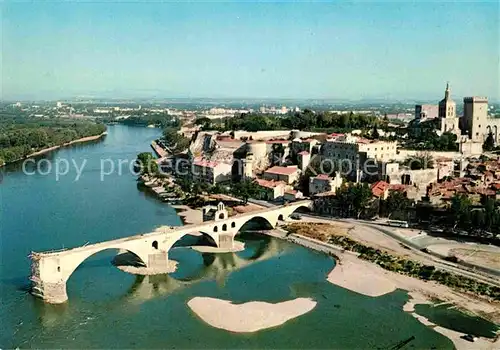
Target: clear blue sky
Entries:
(250, 49)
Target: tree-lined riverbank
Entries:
(23, 137)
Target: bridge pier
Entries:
(226, 240)
(159, 259)
(52, 291)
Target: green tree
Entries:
(460, 210)
(146, 163)
(361, 194)
(397, 203)
(375, 133)
(245, 189)
(176, 142)
(353, 198)
(489, 143)
(422, 160)
(185, 184)
(491, 214)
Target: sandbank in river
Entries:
(248, 317)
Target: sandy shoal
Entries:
(248, 317)
(361, 277)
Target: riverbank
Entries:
(53, 148)
(365, 277)
(81, 140)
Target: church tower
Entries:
(448, 112)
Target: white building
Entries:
(351, 147)
(279, 173)
(476, 122)
(324, 183)
(210, 172)
(270, 189)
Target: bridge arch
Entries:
(68, 266)
(270, 222)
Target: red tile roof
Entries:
(205, 163)
(269, 183)
(495, 186)
(322, 177)
(399, 188)
(281, 170)
(378, 188)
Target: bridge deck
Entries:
(169, 230)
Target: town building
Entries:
(354, 155)
(448, 113)
(303, 160)
(476, 122)
(426, 112)
(210, 172)
(324, 183)
(299, 145)
(292, 195)
(288, 174)
(380, 190)
(326, 203)
(270, 190)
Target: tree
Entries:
(422, 160)
(361, 194)
(185, 184)
(489, 143)
(397, 202)
(146, 163)
(176, 142)
(491, 215)
(245, 189)
(375, 133)
(354, 198)
(460, 210)
(202, 121)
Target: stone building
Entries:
(324, 183)
(353, 155)
(210, 172)
(448, 113)
(476, 123)
(426, 112)
(279, 173)
(270, 190)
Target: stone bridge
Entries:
(51, 270)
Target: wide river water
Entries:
(108, 308)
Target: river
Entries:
(108, 308)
